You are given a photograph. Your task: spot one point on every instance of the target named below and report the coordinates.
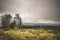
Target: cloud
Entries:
(34, 10)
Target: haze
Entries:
(39, 11)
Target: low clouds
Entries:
(33, 10)
(8, 5)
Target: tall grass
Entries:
(27, 34)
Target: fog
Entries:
(42, 11)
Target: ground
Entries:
(28, 34)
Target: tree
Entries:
(6, 20)
(13, 24)
(18, 20)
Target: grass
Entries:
(27, 34)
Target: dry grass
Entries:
(27, 34)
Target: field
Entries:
(28, 34)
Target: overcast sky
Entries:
(42, 11)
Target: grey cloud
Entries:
(34, 10)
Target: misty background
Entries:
(36, 11)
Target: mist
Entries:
(42, 11)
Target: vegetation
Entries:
(27, 34)
(12, 30)
(10, 22)
(6, 20)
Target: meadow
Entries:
(28, 34)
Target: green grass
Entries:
(27, 34)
